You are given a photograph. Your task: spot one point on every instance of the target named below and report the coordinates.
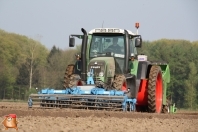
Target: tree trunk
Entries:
(31, 68)
(4, 93)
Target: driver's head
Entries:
(115, 41)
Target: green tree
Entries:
(57, 63)
(190, 89)
(7, 83)
(17, 57)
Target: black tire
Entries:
(155, 90)
(119, 82)
(68, 72)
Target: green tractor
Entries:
(112, 55)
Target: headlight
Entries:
(116, 30)
(103, 30)
(110, 30)
(101, 74)
(97, 30)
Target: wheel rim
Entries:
(158, 93)
(124, 87)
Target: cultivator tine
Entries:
(79, 101)
(97, 99)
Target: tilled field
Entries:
(68, 120)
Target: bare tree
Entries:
(32, 50)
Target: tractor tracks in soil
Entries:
(61, 120)
(21, 112)
(21, 109)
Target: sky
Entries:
(52, 21)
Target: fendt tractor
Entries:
(109, 74)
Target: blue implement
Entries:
(86, 98)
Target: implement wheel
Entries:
(166, 108)
(155, 90)
(119, 83)
(69, 71)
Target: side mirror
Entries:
(71, 42)
(138, 42)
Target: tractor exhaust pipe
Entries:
(127, 47)
(83, 55)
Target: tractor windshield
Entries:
(113, 45)
(101, 44)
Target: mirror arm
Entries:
(75, 35)
(136, 36)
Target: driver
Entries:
(115, 47)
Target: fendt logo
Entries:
(95, 67)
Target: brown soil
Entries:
(69, 120)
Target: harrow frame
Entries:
(84, 97)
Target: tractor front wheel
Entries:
(155, 90)
(68, 72)
(74, 81)
(119, 83)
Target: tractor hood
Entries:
(105, 65)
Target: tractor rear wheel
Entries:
(155, 90)
(119, 83)
(69, 71)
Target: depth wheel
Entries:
(119, 83)
(166, 108)
(155, 90)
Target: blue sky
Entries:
(55, 20)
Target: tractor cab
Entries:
(106, 52)
(111, 42)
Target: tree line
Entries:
(27, 66)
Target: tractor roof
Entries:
(109, 30)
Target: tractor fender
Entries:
(131, 85)
(165, 70)
(143, 69)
